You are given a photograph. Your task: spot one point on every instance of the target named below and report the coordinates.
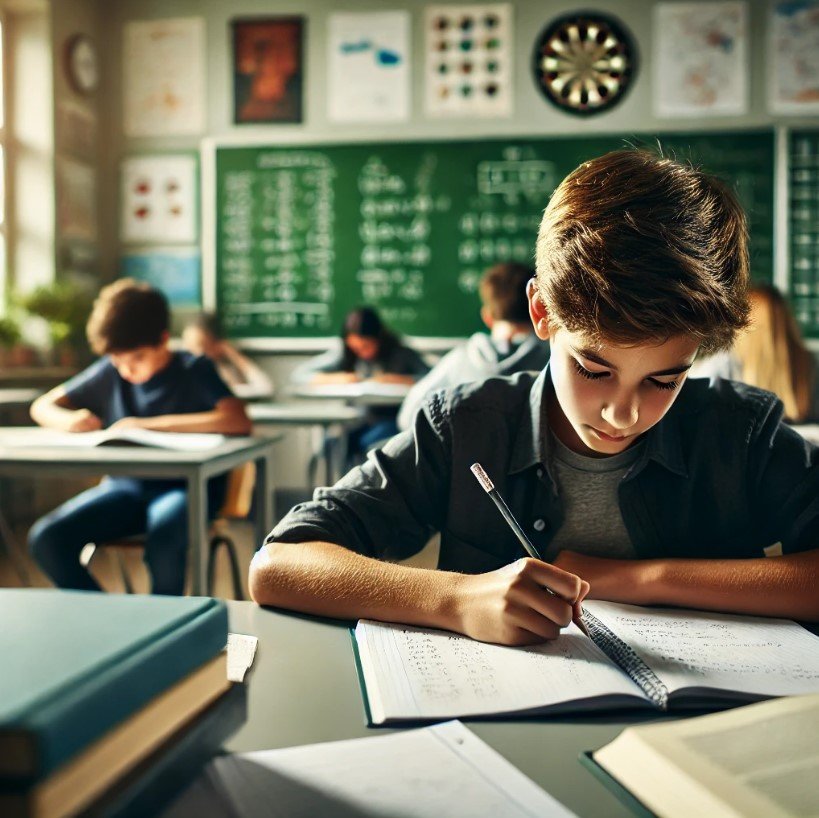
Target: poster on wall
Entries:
(794, 45)
(76, 200)
(267, 70)
(469, 60)
(175, 271)
(159, 199)
(164, 77)
(368, 73)
(700, 59)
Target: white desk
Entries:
(328, 419)
(363, 393)
(195, 468)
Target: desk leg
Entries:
(197, 526)
(264, 498)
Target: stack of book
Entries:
(109, 704)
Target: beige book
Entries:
(759, 761)
(75, 785)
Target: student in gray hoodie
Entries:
(511, 346)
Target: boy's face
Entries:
(607, 396)
(141, 364)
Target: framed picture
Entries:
(267, 70)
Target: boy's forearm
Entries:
(786, 586)
(218, 422)
(328, 580)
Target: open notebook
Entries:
(636, 658)
(179, 441)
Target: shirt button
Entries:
(539, 525)
(539, 473)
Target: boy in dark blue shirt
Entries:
(139, 383)
(635, 484)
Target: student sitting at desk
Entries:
(510, 347)
(771, 354)
(367, 350)
(139, 382)
(633, 483)
(247, 380)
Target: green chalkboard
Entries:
(303, 234)
(803, 212)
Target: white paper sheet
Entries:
(164, 76)
(417, 673)
(438, 771)
(368, 76)
(700, 59)
(773, 657)
(241, 650)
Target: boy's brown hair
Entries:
(126, 315)
(503, 291)
(636, 247)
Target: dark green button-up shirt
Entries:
(720, 476)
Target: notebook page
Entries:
(770, 657)
(413, 673)
(444, 770)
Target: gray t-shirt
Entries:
(593, 523)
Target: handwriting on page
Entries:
(443, 673)
(698, 648)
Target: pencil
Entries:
(489, 487)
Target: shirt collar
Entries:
(532, 447)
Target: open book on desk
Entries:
(760, 761)
(179, 441)
(636, 658)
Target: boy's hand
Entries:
(511, 606)
(127, 423)
(84, 420)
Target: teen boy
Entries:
(138, 383)
(634, 484)
(511, 346)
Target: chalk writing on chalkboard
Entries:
(303, 234)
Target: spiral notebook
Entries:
(635, 658)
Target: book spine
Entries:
(627, 660)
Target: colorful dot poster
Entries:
(368, 67)
(469, 60)
(159, 199)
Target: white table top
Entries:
(363, 393)
(304, 413)
(107, 455)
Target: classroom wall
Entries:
(532, 114)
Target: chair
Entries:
(236, 506)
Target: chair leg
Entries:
(230, 548)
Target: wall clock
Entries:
(584, 63)
(82, 67)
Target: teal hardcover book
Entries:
(75, 664)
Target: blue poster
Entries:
(177, 273)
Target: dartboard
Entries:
(584, 63)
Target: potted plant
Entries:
(10, 336)
(65, 306)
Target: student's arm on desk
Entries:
(784, 586)
(54, 411)
(507, 606)
(228, 417)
